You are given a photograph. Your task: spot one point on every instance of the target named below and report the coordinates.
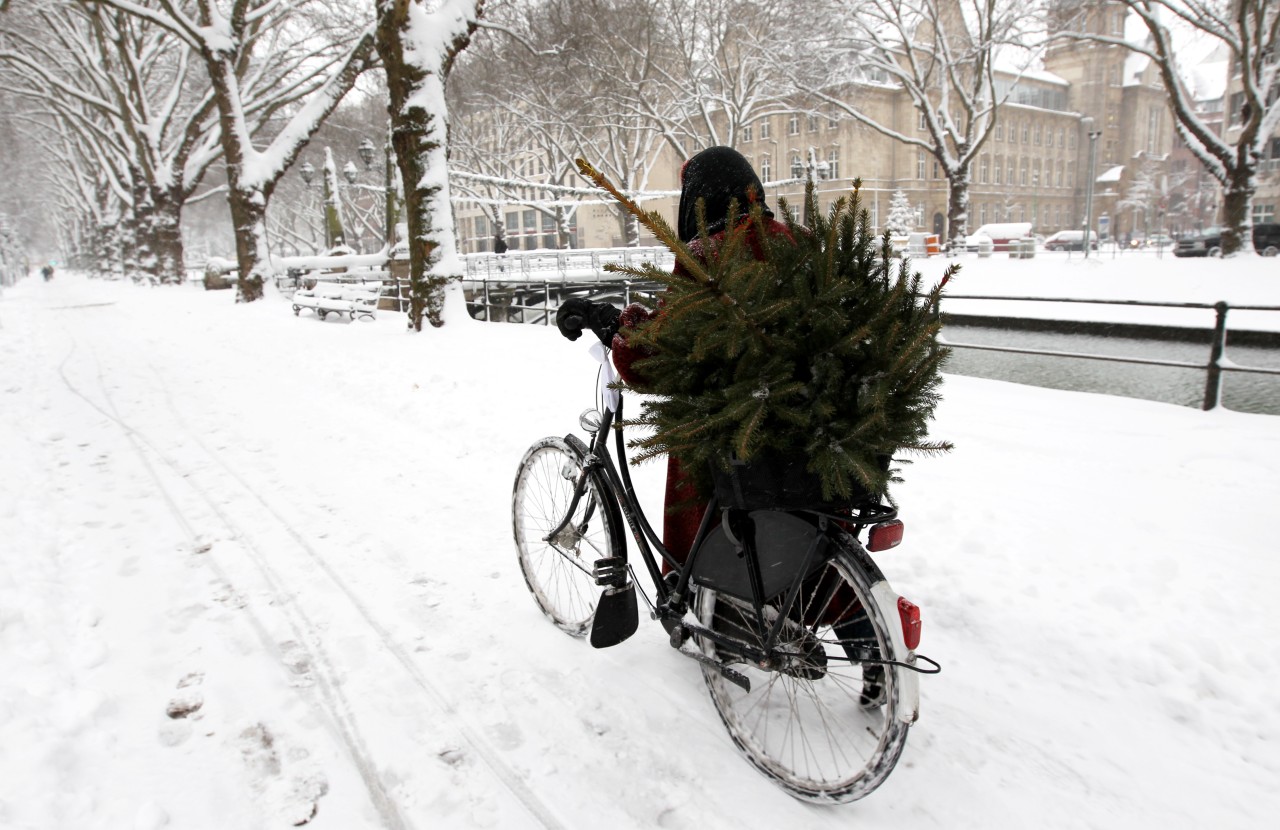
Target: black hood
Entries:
(717, 175)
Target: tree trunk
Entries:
(420, 141)
(249, 222)
(958, 209)
(564, 239)
(167, 239)
(1237, 206)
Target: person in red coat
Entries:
(717, 177)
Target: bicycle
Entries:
(807, 653)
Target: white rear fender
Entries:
(906, 681)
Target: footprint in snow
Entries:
(289, 795)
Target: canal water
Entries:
(1240, 392)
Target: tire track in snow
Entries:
(332, 698)
(508, 777)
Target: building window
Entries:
(920, 164)
(793, 124)
(1022, 171)
(984, 169)
(833, 164)
(982, 214)
(1035, 173)
(813, 123)
(513, 221)
(1071, 141)
(1012, 177)
(832, 119)
(1264, 213)
(797, 168)
(999, 131)
(1026, 133)
(1044, 221)
(765, 174)
(920, 122)
(1071, 174)
(764, 129)
(1062, 137)
(937, 171)
(999, 171)
(746, 134)
(1039, 134)
(1059, 173)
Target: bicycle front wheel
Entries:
(558, 571)
(823, 724)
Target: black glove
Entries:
(576, 313)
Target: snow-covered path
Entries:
(302, 528)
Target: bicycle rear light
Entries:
(885, 535)
(910, 614)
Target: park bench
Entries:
(352, 299)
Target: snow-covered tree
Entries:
(418, 42)
(276, 66)
(902, 216)
(1249, 31)
(941, 53)
(125, 89)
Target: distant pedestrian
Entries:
(47, 272)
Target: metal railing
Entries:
(1213, 368)
(534, 303)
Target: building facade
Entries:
(1032, 167)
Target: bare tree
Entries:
(1248, 30)
(941, 53)
(125, 88)
(274, 66)
(418, 46)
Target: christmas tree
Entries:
(902, 217)
(816, 344)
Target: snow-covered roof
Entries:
(1208, 80)
(1112, 175)
(1042, 76)
(1134, 65)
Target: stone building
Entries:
(1033, 166)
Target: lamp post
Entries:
(367, 152)
(1094, 135)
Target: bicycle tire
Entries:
(560, 575)
(808, 728)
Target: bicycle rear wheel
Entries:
(559, 571)
(825, 726)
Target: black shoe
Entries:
(874, 694)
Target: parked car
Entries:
(1000, 234)
(1159, 240)
(1266, 241)
(1069, 241)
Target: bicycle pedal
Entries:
(610, 572)
(737, 678)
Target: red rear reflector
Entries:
(885, 535)
(910, 614)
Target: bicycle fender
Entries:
(908, 682)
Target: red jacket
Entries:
(679, 528)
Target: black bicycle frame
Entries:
(670, 602)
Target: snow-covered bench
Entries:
(352, 299)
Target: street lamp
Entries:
(1094, 135)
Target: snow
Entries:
(1111, 174)
(258, 569)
